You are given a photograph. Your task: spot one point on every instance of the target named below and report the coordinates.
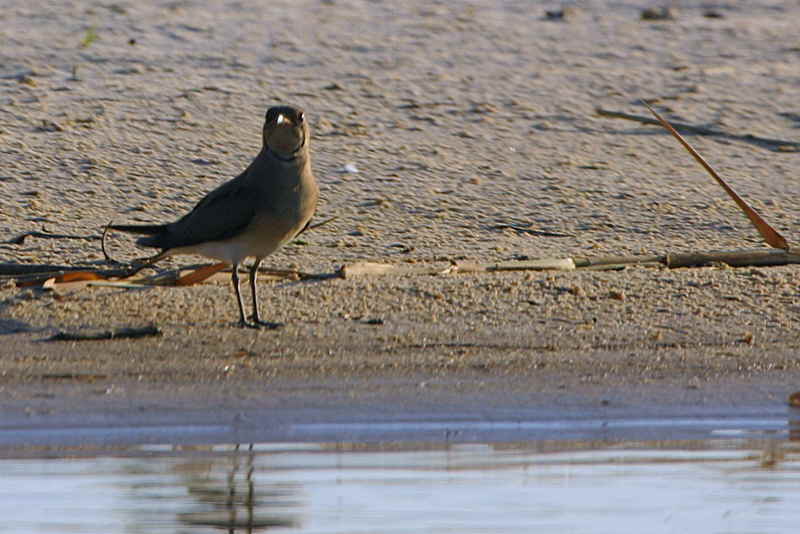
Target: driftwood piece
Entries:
(734, 258)
(366, 268)
(760, 257)
(602, 261)
(544, 264)
(133, 332)
(780, 145)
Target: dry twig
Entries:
(772, 237)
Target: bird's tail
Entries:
(146, 229)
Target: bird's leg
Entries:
(235, 279)
(254, 294)
(256, 315)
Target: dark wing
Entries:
(223, 213)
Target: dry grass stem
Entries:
(770, 235)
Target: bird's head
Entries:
(285, 132)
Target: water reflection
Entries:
(746, 485)
(232, 500)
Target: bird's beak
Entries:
(281, 119)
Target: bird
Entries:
(270, 203)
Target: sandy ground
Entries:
(459, 117)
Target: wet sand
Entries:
(461, 118)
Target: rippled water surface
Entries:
(732, 485)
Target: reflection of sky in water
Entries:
(692, 486)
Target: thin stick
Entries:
(772, 237)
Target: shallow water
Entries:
(729, 484)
